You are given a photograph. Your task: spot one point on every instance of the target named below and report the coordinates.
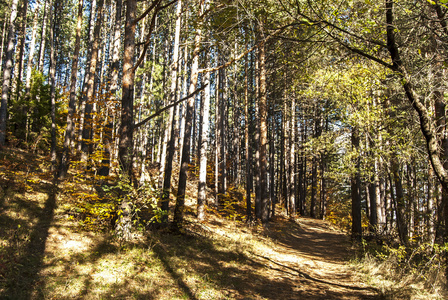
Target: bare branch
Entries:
(240, 56)
(148, 37)
(160, 111)
(147, 11)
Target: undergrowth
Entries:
(400, 272)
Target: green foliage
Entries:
(143, 200)
(30, 119)
(154, 92)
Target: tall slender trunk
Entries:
(203, 149)
(430, 208)
(125, 131)
(20, 48)
(127, 102)
(83, 99)
(88, 125)
(72, 102)
(168, 128)
(272, 197)
(356, 189)
(180, 199)
(43, 35)
(247, 142)
(223, 127)
(171, 124)
(400, 206)
(29, 68)
(7, 72)
(53, 41)
(292, 201)
(300, 174)
(287, 153)
(217, 142)
(2, 44)
(263, 138)
(256, 142)
(372, 189)
(323, 182)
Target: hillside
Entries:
(46, 254)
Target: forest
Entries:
(159, 117)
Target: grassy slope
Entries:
(44, 253)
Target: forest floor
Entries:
(46, 254)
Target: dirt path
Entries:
(312, 257)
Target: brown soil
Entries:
(312, 258)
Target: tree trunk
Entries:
(20, 48)
(287, 152)
(202, 192)
(263, 138)
(43, 35)
(247, 143)
(53, 41)
(91, 86)
(356, 189)
(399, 202)
(72, 102)
(168, 166)
(7, 72)
(223, 128)
(257, 177)
(180, 199)
(323, 187)
(127, 102)
(2, 44)
(125, 146)
(292, 136)
(217, 142)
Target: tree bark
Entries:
(72, 102)
(202, 192)
(88, 126)
(168, 166)
(180, 199)
(20, 48)
(7, 72)
(356, 189)
(247, 143)
(400, 207)
(292, 136)
(53, 42)
(263, 138)
(127, 102)
(43, 35)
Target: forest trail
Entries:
(313, 257)
(45, 253)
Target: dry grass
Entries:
(393, 280)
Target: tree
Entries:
(185, 160)
(7, 72)
(167, 165)
(72, 102)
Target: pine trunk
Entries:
(263, 139)
(72, 102)
(7, 72)
(88, 125)
(183, 173)
(202, 192)
(356, 189)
